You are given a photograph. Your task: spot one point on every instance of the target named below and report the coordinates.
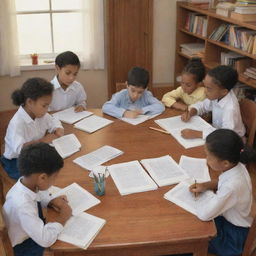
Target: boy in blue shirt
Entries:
(136, 99)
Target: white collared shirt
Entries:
(22, 129)
(62, 99)
(21, 217)
(233, 199)
(225, 113)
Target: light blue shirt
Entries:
(121, 102)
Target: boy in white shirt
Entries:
(39, 165)
(67, 92)
(221, 100)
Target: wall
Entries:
(95, 82)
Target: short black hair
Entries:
(67, 58)
(138, 77)
(33, 88)
(195, 67)
(224, 76)
(39, 158)
(226, 144)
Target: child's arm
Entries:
(153, 105)
(81, 99)
(202, 187)
(132, 113)
(171, 97)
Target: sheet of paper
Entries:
(130, 177)
(164, 170)
(92, 123)
(97, 157)
(81, 229)
(79, 199)
(139, 119)
(69, 115)
(195, 168)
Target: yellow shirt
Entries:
(171, 97)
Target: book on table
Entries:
(97, 157)
(174, 125)
(164, 170)
(92, 123)
(67, 145)
(139, 119)
(69, 115)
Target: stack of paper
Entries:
(174, 125)
(67, 145)
(139, 119)
(69, 115)
(98, 157)
(164, 170)
(131, 178)
(92, 123)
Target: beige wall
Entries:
(95, 82)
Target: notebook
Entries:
(139, 119)
(67, 145)
(92, 123)
(69, 115)
(130, 177)
(174, 125)
(164, 170)
(97, 157)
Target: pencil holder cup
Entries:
(99, 187)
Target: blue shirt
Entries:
(121, 102)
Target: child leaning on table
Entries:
(135, 99)
(231, 204)
(67, 92)
(39, 165)
(191, 90)
(221, 100)
(31, 123)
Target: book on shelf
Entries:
(192, 48)
(225, 8)
(245, 10)
(67, 145)
(174, 125)
(164, 170)
(92, 123)
(243, 17)
(230, 58)
(130, 178)
(97, 157)
(219, 32)
(69, 115)
(196, 23)
(250, 72)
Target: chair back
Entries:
(120, 86)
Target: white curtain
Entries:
(93, 34)
(9, 53)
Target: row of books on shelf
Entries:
(196, 23)
(193, 49)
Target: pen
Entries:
(195, 192)
(159, 130)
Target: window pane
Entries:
(34, 33)
(67, 4)
(67, 29)
(32, 5)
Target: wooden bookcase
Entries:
(213, 48)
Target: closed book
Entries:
(243, 17)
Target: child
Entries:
(190, 90)
(39, 165)
(67, 91)
(221, 100)
(31, 123)
(134, 100)
(230, 206)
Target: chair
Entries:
(120, 86)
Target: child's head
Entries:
(35, 95)
(41, 163)
(219, 81)
(137, 82)
(192, 75)
(67, 67)
(225, 148)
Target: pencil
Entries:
(195, 192)
(159, 130)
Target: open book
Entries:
(67, 145)
(139, 119)
(97, 157)
(174, 125)
(130, 177)
(164, 170)
(181, 196)
(92, 123)
(195, 168)
(81, 229)
(69, 115)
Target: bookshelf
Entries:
(213, 49)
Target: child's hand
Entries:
(197, 188)
(191, 134)
(132, 113)
(48, 138)
(185, 117)
(58, 202)
(59, 132)
(79, 108)
(65, 214)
